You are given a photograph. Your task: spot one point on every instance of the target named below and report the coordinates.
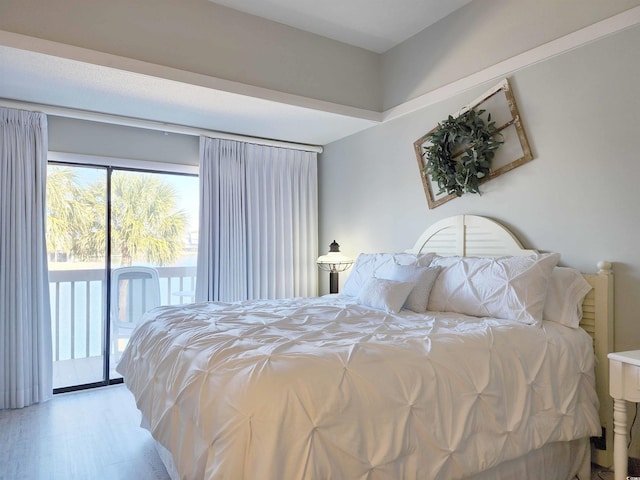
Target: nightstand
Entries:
(624, 385)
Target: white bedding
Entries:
(324, 388)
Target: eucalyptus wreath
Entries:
(459, 151)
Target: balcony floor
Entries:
(79, 371)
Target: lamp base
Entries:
(333, 282)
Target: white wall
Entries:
(106, 140)
(202, 37)
(579, 196)
(205, 38)
(479, 35)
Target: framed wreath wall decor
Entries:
(484, 140)
(459, 151)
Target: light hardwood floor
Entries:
(87, 435)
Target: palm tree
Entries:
(145, 223)
(65, 216)
(89, 239)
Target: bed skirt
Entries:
(547, 463)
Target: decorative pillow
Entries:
(379, 265)
(506, 287)
(383, 294)
(422, 277)
(565, 294)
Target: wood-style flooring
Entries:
(87, 435)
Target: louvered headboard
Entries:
(471, 235)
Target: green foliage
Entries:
(62, 212)
(144, 221)
(459, 155)
(145, 224)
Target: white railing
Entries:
(78, 306)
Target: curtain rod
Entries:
(150, 124)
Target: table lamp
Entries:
(334, 262)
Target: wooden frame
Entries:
(504, 161)
(471, 235)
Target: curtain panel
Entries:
(258, 222)
(25, 319)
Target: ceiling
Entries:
(377, 25)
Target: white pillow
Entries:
(565, 294)
(512, 288)
(422, 277)
(379, 265)
(383, 294)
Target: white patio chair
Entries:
(134, 291)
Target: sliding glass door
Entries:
(120, 242)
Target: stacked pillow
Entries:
(384, 294)
(565, 294)
(512, 288)
(379, 265)
(522, 288)
(390, 281)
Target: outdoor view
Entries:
(154, 233)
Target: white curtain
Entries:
(221, 270)
(25, 319)
(258, 222)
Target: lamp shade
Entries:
(334, 261)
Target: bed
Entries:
(356, 386)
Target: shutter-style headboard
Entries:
(470, 236)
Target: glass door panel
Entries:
(154, 239)
(76, 213)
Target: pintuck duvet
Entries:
(324, 388)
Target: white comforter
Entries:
(323, 388)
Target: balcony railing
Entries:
(78, 312)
